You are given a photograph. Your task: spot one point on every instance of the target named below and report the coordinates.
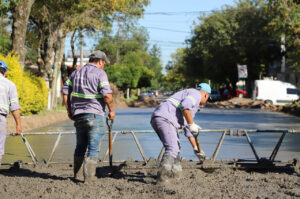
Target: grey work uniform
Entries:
(8, 101)
(167, 118)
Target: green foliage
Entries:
(137, 67)
(129, 76)
(5, 41)
(285, 23)
(32, 90)
(175, 77)
(223, 39)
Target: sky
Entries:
(169, 23)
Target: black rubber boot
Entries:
(78, 167)
(89, 170)
(164, 172)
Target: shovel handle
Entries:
(198, 143)
(109, 125)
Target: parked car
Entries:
(275, 92)
(148, 94)
(215, 95)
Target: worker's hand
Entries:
(194, 128)
(18, 129)
(111, 115)
(200, 155)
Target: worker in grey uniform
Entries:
(177, 112)
(85, 95)
(8, 101)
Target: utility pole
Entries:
(81, 48)
(283, 50)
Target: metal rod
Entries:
(107, 151)
(252, 147)
(161, 153)
(218, 146)
(139, 147)
(292, 131)
(180, 131)
(49, 133)
(276, 149)
(54, 148)
(31, 153)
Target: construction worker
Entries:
(175, 113)
(85, 95)
(8, 101)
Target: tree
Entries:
(137, 66)
(286, 27)
(223, 39)
(5, 42)
(20, 13)
(52, 20)
(129, 76)
(176, 77)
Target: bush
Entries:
(32, 90)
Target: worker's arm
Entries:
(17, 117)
(108, 99)
(194, 128)
(188, 116)
(67, 103)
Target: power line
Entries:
(165, 29)
(180, 13)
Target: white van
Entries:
(275, 92)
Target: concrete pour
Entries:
(56, 181)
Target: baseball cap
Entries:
(3, 65)
(204, 86)
(100, 55)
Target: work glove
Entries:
(200, 155)
(194, 128)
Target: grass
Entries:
(134, 98)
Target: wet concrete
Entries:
(138, 119)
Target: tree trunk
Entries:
(81, 48)
(117, 42)
(47, 71)
(20, 17)
(59, 52)
(127, 93)
(73, 49)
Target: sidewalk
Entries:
(37, 121)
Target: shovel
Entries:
(198, 145)
(109, 126)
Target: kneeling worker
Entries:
(175, 113)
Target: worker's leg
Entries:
(89, 130)
(2, 135)
(168, 134)
(177, 169)
(169, 137)
(92, 126)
